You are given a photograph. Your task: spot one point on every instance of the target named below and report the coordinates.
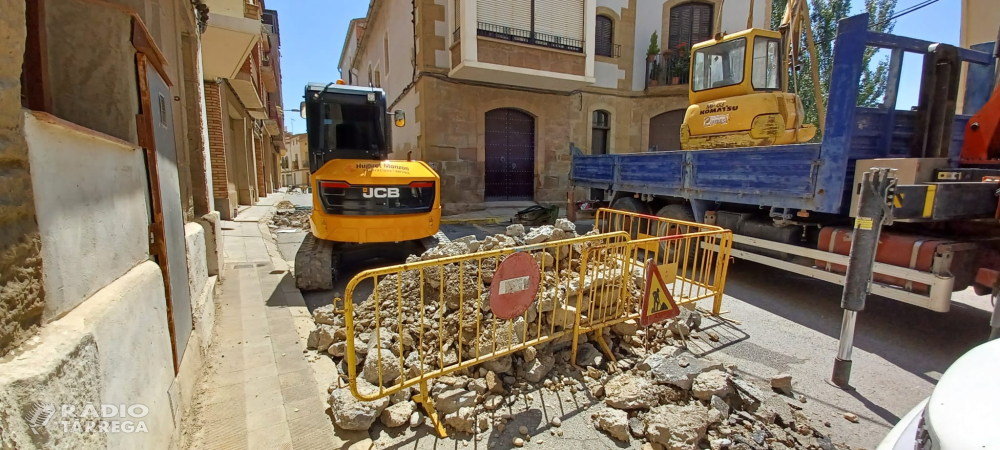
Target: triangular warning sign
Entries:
(657, 303)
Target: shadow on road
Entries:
(915, 339)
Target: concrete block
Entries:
(212, 223)
(113, 349)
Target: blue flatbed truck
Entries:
(789, 206)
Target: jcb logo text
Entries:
(380, 192)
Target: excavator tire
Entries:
(315, 268)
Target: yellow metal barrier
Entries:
(447, 306)
(426, 319)
(692, 259)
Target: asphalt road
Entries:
(791, 323)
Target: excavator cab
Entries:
(736, 95)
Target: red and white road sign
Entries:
(515, 285)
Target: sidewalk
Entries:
(259, 389)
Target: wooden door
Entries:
(665, 131)
(510, 155)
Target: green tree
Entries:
(825, 15)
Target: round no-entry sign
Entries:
(514, 287)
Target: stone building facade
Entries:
(497, 118)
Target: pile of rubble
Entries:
(288, 216)
(654, 390)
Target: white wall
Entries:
(405, 138)
(734, 15)
(607, 74)
(90, 201)
(395, 18)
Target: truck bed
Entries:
(787, 176)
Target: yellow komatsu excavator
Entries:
(738, 87)
(361, 199)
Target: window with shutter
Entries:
(690, 24)
(550, 23)
(604, 36)
(559, 19)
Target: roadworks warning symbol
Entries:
(657, 303)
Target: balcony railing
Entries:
(669, 68)
(457, 36)
(529, 37)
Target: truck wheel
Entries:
(676, 250)
(626, 223)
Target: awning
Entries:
(226, 44)
(247, 94)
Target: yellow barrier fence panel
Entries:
(410, 323)
(692, 260)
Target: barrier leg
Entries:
(425, 399)
(599, 337)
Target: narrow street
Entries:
(770, 192)
(901, 350)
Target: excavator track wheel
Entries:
(314, 265)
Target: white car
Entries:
(963, 411)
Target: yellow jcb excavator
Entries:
(360, 198)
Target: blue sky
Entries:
(313, 31)
(312, 35)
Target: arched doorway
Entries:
(665, 130)
(510, 155)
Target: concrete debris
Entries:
(630, 391)
(782, 382)
(673, 367)
(326, 315)
(390, 368)
(637, 427)
(463, 420)
(530, 352)
(523, 430)
(350, 413)
(566, 225)
(454, 399)
(589, 356)
(677, 427)
(711, 383)
(851, 417)
(515, 230)
(518, 442)
(539, 367)
(324, 337)
(397, 415)
(626, 328)
(416, 419)
(612, 421)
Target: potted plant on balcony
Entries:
(654, 47)
(681, 63)
(651, 62)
